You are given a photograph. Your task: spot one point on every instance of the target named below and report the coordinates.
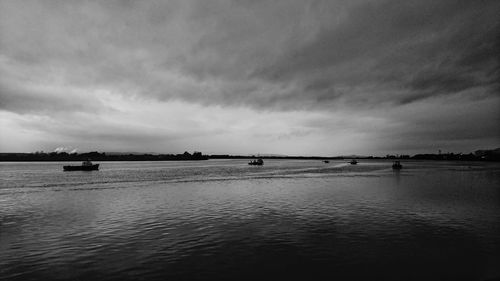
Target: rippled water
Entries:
(223, 219)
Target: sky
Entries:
(294, 77)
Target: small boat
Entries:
(258, 162)
(326, 161)
(86, 166)
(396, 165)
(353, 162)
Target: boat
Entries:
(86, 166)
(326, 161)
(258, 162)
(396, 165)
(353, 162)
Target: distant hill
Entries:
(269, 155)
(129, 153)
(354, 156)
(490, 154)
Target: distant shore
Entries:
(96, 156)
(479, 155)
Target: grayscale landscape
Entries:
(249, 140)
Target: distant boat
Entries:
(258, 162)
(396, 165)
(353, 162)
(86, 166)
(326, 161)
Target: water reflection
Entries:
(397, 176)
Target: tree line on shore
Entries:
(478, 155)
(96, 156)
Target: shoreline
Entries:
(247, 158)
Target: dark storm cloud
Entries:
(276, 55)
(420, 48)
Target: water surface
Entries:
(223, 219)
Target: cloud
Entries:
(414, 49)
(25, 99)
(265, 55)
(351, 62)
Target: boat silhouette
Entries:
(396, 165)
(258, 162)
(86, 166)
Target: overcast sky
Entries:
(250, 76)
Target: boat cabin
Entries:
(258, 162)
(397, 165)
